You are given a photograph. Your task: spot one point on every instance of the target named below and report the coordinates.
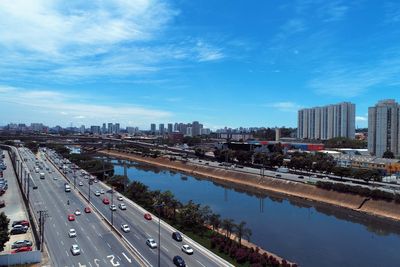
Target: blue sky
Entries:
(224, 63)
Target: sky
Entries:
(223, 63)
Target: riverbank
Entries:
(380, 208)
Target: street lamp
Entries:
(90, 182)
(112, 203)
(159, 230)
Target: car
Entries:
(21, 243)
(72, 232)
(300, 177)
(151, 243)
(106, 201)
(18, 229)
(120, 198)
(187, 249)
(97, 193)
(71, 217)
(278, 175)
(80, 184)
(21, 249)
(21, 222)
(88, 210)
(178, 261)
(77, 212)
(96, 181)
(125, 228)
(113, 207)
(102, 191)
(177, 236)
(75, 250)
(147, 216)
(122, 206)
(55, 178)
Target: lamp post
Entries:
(112, 203)
(90, 182)
(159, 230)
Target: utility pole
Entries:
(42, 219)
(112, 203)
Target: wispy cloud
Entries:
(71, 108)
(285, 106)
(361, 118)
(207, 52)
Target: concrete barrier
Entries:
(21, 258)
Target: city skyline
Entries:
(161, 61)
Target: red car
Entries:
(147, 216)
(21, 222)
(87, 210)
(71, 217)
(21, 249)
(106, 201)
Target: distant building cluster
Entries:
(187, 129)
(323, 123)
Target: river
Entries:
(308, 233)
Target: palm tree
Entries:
(241, 231)
(215, 221)
(228, 225)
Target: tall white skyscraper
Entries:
(383, 128)
(327, 122)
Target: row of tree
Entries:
(190, 216)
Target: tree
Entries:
(4, 235)
(215, 221)
(242, 231)
(228, 225)
(388, 154)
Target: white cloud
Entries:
(361, 118)
(207, 52)
(285, 106)
(76, 109)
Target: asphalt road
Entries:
(99, 246)
(141, 229)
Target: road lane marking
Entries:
(90, 264)
(200, 263)
(62, 243)
(126, 257)
(165, 249)
(108, 244)
(66, 252)
(136, 236)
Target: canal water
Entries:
(310, 234)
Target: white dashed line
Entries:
(108, 245)
(200, 263)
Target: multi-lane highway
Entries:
(141, 229)
(99, 246)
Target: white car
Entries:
(122, 206)
(125, 228)
(72, 233)
(75, 250)
(151, 243)
(187, 249)
(102, 191)
(77, 212)
(55, 178)
(80, 184)
(120, 198)
(113, 207)
(97, 193)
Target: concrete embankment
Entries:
(384, 209)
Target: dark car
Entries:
(21, 243)
(177, 236)
(20, 222)
(2, 204)
(18, 229)
(178, 261)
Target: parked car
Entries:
(21, 243)
(21, 222)
(21, 249)
(177, 236)
(178, 261)
(19, 229)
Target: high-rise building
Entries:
(161, 128)
(327, 122)
(95, 129)
(116, 128)
(195, 128)
(383, 128)
(189, 131)
(153, 128)
(170, 127)
(110, 128)
(82, 129)
(104, 129)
